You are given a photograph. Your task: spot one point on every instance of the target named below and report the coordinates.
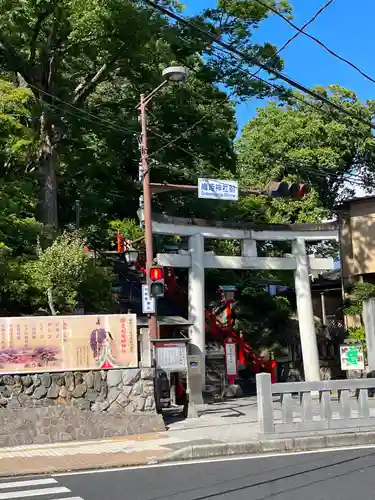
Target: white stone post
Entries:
(369, 321)
(197, 333)
(145, 348)
(309, 343)
(249, 248)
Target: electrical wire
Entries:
(354, 179)
(186, 132)
(295, 97)
(322, 173)
(94, 119)
(253, 61)
(316, 172)
(316, 40)
(82, 117)
(296, 35)
(83, 111)
(152, 131)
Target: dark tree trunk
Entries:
(47, 171)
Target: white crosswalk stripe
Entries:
(25, 484)
(48, 489)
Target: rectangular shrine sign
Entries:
(64, 343)
(217, 189)
(231, 364)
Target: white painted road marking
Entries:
(32, 488)
(24, 484)
(33, 493)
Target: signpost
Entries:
(148, 303)
(216, 189)
(231, 367)
(352, 357)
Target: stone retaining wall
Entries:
(53, 407)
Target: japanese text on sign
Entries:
(218, 189)
(231, 358)
(171, 357)
(148, 303)
(82, 342)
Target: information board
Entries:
(61, 343)
(170, 356)
(352, 357)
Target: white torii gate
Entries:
(197, 260)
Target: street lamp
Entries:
(175, 74)
(171, 74)
(131, 256)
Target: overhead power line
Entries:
(91, 117)
(316, 40)
(296, 35)
(218, 54)
(187, 132)
(320, 11)
(251, 60)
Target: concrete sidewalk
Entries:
(228, 428)
(215, 426)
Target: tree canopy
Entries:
(71, 76)
(86, 56)
(305, 141)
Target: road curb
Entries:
(274, 445)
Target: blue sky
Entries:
(346, 27)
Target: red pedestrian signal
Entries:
(157, 287)
(156, 273)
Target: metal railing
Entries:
(314, 406)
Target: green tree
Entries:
(357, 293)
(85, 53)
(262, 318)
(17, 138)
(308, 142)
(64, 276)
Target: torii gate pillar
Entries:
(309, 345)
(197, 300)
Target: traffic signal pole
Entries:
(152, 321)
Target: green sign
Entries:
(352, 357)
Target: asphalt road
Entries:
(339, 475)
